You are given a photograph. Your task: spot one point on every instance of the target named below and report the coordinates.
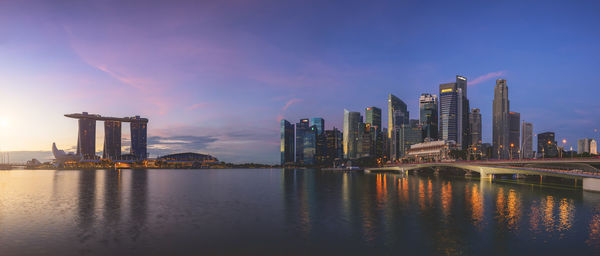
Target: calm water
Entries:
(272, 211)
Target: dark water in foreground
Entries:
(272, 211)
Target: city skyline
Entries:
(224, 94)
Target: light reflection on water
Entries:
(293, 211)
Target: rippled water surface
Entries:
(274, 211)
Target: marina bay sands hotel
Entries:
(86, 139)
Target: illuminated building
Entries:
(373, 118)
(527, 140)
(112, 140)
(404, 137)
(587, 146)
(350, 135)
(475, 120)
(431, 151)
(450, 113)
(333, 143)
(514, 132)
(428, 115)
(319, 123)
(287, 142)
(397, 113)
(547, 145)
(301, 128)
(310, 145)
(500, 130)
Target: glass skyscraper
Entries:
(514, 133)
(287, 142)
(301, 128)
(450, 104)
(319, 123)
(373, 117)
(428, 115)
(527, 140)
(475, 120)
(310, 145)
(350, 135)
(397, 113)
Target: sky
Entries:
(216, 77)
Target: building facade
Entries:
(475, 124)
(350, 133)
(309, 155)
(500, 129)
(514, 133)
(526, 140)
(397, 113)
(86, 138)
(112, 140)
(547, 147)
(139, 137)
(287, 142)
(301, 128)
(428, 115)
(373, 117)
(333, 142)
(450, 112)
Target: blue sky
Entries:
(216, 76)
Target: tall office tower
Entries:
(365, 146)
(547, 146)
(586, 145)
(475, 120)
(86, 139)
(386, 144)
(351, 125)
(514, 133)
(139, 137)
(310, 145)
(373, 117)
(593, 147)
(397, 113)
(404, 137)
(320, 143)
(112, 140)
(287, 142)
(428, 115)
(465, 128)
(450, 113)
(333, 142)
(301, 128)
(319, 122)
(527, 140)
(500, 120)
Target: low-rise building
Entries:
(431, 151)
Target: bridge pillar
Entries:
(519, 176)
(468, 173)
(487, 176)
(591, 184)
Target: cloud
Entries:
(486, 77)
(197, 106)
(290, 103)
(158, 145)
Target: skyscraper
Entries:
(139, 137)
(310, 145)
(500, 119)
(428, 115)
(112, 140)
(373, 117)
(475, 120)
(287, 142)
(527, 140)
(404, 137)
(547, 145)
(397, 113)
(465, 128)
(450, 113)
(333, 142)
(86, 140)
(301, 128)
(319, 123)
(514, 132)
(586, 145)
(350, 135)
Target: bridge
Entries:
(586, 169)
